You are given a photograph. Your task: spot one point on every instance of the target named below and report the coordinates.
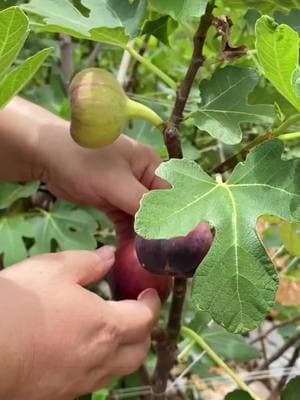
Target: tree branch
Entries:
(197, 61)
(274, 327)
(92, 58)
(289, 343)
(231, 162)
(66, 56)
(166, 340)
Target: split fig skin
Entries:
(100, 109)
(178, 256)
(130, 278)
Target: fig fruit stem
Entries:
(148, 64)
(289, 136)
(293, 119)
(137, 110)
(219, 362)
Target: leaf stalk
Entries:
(148, 64)
(214, 356)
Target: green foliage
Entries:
(13, 33)
(8, 3)
(161, 28)
(278, 53)
(13, 228)
(292, 19)
(17, 79)
(264, 6)
(224, 104)
(101, 395)
(63, 227)
(238, 395)
(109, 21)
(292, 390)
(10, 192)
(290, 235)
(229, 346)
(180, 10)
(140, 131)
(70, 227)
(237, 270)
(231, 103)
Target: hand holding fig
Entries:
(130, 278)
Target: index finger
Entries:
(137, 317)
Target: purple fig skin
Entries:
(152, 254)
(130, 278)
(179, 256)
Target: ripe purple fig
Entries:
(179, 256)
(130, 278)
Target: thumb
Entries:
(86, 267)
(150, 298)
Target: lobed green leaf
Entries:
(108, 21)
(278, 53)
(236, 283)
(10, 192)
(224, 105)
(180, 10)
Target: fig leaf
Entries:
(237, 281)
(224, 105)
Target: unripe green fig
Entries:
(100, 108)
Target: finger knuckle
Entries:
(109, 336)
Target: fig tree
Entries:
(179, 256)
(100, 108)
(130, 278)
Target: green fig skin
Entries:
(100, 109)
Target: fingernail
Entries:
(148, 293)
(106, 253)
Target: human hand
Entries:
(58, 340)
(37, 145)
(112, 178)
